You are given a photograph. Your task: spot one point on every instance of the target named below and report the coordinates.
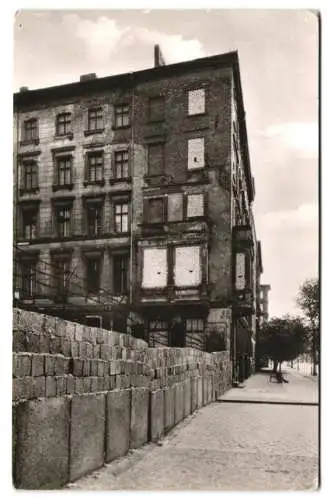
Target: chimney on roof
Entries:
(158, 57)
(87, 77)
(23, 89)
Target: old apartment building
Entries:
(133, 204)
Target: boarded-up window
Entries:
(175, 207)
(195, 153)
(196, 101)
(195, 205)
(154, 268)
(154, 209)
(240, 271)
(155, 159)
(156, 109)
(187, 270)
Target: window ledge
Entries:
(91, 132)
(125, 233)
(203, 113)
(153, 224)
(123, 127)
(94, 183)
(27, 142)
(119, 180)
(23, 191)
(155, 121)
(60, 187)
(69, 136)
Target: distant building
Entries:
(264, 301)
(133, 204)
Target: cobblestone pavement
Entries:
(228, 446)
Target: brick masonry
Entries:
(128, 364)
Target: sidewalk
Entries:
(229, 446)
(300, 389)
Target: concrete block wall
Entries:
(84, 396)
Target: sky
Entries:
(278, 52)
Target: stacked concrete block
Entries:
(109, 392)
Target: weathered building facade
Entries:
(133, 198)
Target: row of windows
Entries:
(94, 165)
(187, 271)
(61, 279)
(174, 207)
(122, 119)
(171, 208)
(63, 166)
(63, 220)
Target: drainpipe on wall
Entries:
(131, 283)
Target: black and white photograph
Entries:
(165, 249)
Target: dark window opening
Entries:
(122, 118)
(30, 180)
(120, 268)
(177, 334)
(121, 217)
(64, 171)
(121, 165)
(94, 219)
(29, 223)
(63, 124)
(30, 130)
(119, 324)
(61, 276)
(28, 280)
(63, 216)
(95, 167)
(93, 274)
(95, 119)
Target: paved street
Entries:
(230, 445)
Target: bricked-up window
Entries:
(64, 124)
(187, 271)
(121, 218)
(240, 271)
(29, 176)
(122, 116)
(156, 109)
(95, 119)
(196, 102)
(195, 205)
(29, 217)
(154, 210)
(156, 159)
(31, 130)
(195, 153)
(121, 169)
(175, 207)
(64, 221)
(155, 268)
(64, 171)
(94, 219)
(61, 275)
(95, 165)
(194, 333)
(93, 265)
(120, 273)
(28, 278)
